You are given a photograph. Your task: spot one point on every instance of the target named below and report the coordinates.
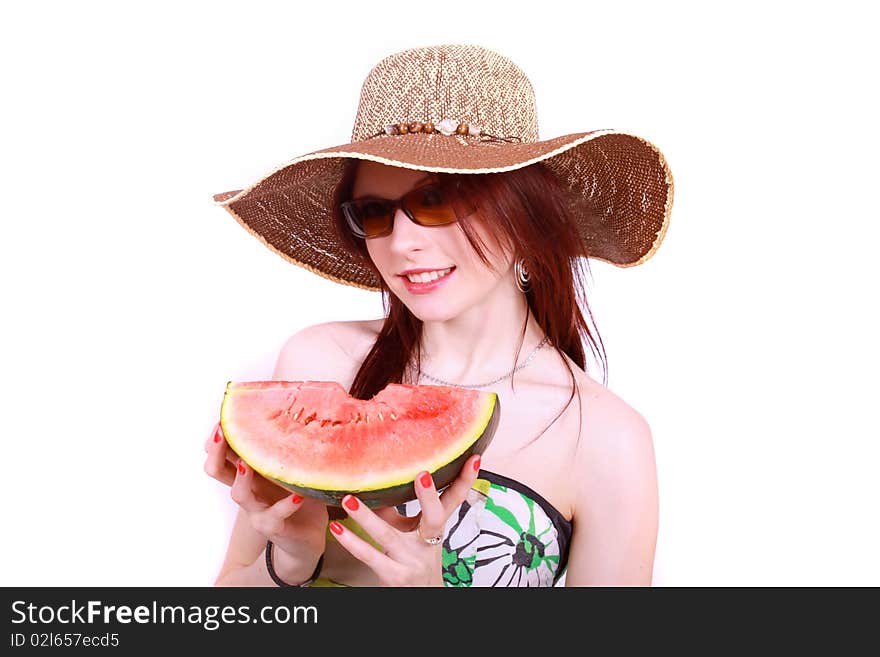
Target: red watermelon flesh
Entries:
(314, 438)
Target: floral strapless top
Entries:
(503, 534)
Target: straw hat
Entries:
(459, 109)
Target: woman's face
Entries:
(410, 246)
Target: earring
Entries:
(521, 275)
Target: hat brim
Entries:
(620, 188)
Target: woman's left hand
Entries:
(409, 558)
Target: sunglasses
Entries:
(434, 204)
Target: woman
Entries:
(502, 221)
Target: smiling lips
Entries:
(428, 276)
(425, 282)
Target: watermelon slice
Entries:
(312, 437)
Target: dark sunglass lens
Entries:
(462, 206)
(374, 217)
(431, 207)
(431, 197)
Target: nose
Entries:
(406, 234)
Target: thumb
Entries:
(286, 506)
(394, 518)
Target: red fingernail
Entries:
(241, 469)
(425, 480)
(336, 528)
(296, 499)
(217, 435)
(477, 464)
(350, 502)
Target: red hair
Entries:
(528, 212)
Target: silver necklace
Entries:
(483, 385)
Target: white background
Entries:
(748, 342)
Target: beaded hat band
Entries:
(469, 110)
(445, 127)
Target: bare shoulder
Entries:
(329, 351)
(615, 456)
(357, 336)
(603, 412)
(615, 495)
(609, 422)
(610, 411)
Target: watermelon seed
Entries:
(296, 415)
(380, 417)
(393, 416)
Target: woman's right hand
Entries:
(221, 464)
(296, 525)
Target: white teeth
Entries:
(426, 277)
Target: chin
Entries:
(432, 314)
(434, 311)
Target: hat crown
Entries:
(464, 83)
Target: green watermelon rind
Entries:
(397, 492)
